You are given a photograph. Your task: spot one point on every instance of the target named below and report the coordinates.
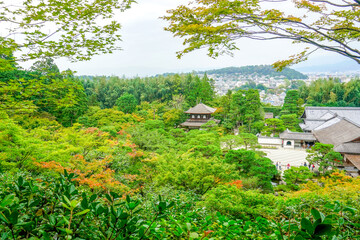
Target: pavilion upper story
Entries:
(199, 115)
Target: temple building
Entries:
(316, 118)
(344, 134)
(339, 126)
(296, 139)
(199, 115)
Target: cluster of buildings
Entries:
(344, 77)
(225, 82)
(273, 99)
(339, 126)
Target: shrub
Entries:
(199, 174)
(58, 210)
(228, 199)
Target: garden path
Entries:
(294, 157)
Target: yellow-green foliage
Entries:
(337, 186)
(228, 199)
(199, 174)
(20, 148)
(97, 117)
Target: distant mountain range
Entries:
(262, 70)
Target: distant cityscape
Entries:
(225, 82)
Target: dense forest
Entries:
(105, 158)
(331, 92)
(261, 70)
(104, 91)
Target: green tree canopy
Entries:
(324, 156)
(28, 92)
(250, 164)
(248, 140)
(230, 141)
(332, 92)
(126, 103)
(292, 103)
(296, 175)
(328, 25)
(244, 110)
(45, 66)
(290, 122)
(49, 28)
(273, 126)
(199, 174)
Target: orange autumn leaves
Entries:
(96, 173)
(237, 183)
(133, 152)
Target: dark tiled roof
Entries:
(309, 125)
(287, 134)
(351, 113)
(348, 148)
(201, 109)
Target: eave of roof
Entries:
(201, 109)
(354, 159)
(332, 108)
(338, 133)
(351, 113)
(348, 148)
(192, 124)
(287, 134)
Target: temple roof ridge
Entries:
(201, 109)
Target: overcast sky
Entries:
(149, 50)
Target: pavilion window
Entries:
(204, 116)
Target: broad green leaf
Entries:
(9, 199)
(194, 235)
(4, 218)
(307, 226)
(20, 181)
(350, 210)
(322, 229)
(315, 213)
(65, 206)
(82, 212)
(74, 203)
(67, 200)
